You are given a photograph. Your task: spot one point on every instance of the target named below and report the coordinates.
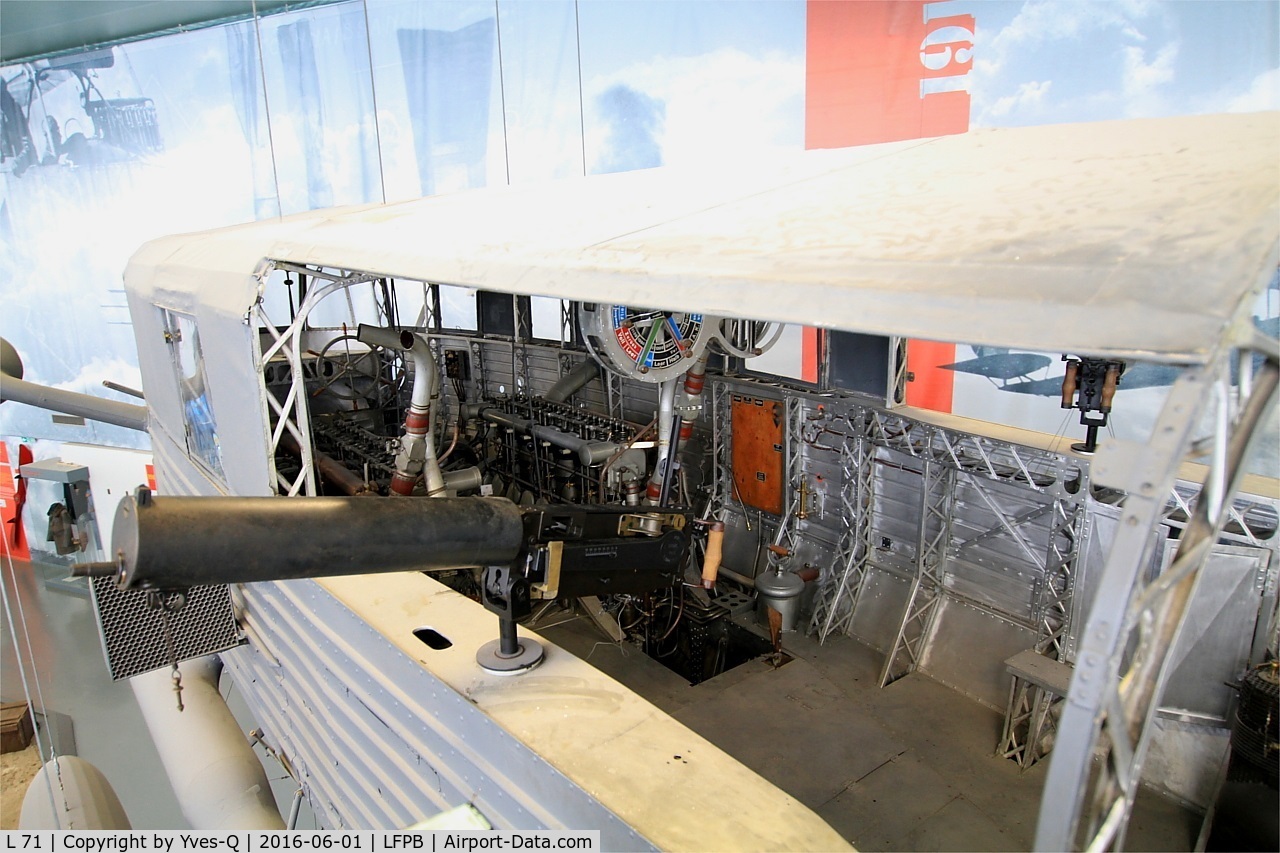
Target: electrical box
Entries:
(758, 471)
(457, 364)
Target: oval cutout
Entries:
(432, 638)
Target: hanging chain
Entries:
(168, 604)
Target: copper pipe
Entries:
(333, 471)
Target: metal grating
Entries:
(133, 635)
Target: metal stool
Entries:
(1038, 683)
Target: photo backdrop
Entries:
(359, 102)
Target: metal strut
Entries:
(838, 599)
(1111, 704)
(921, 611)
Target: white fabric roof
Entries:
(1139, 239)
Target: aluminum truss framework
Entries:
(1134, 622)
(1237, 528)
(1029, 722)
(921, 611)
(291, 414)
(1030, 719)
(1108, 706)
(945, 455)
(721, 450)
(837, 599)
(1067, 533)
(613, 393)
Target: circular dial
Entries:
(651, 346)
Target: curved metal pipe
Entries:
(689, 399)
(573, 381)
(420, 421)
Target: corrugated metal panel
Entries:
(895, 512)
(409, 745)
(987, 562)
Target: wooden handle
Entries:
(715, 550)
(1069, 383)
(1109, 386)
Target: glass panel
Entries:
(859, 363)
(319, 89)
(785, 358)
(439, 98)
(193, 389)
(693, 83)
(346, 305)
(547, 314)
(458, 308)
(540, 85)
(412, 301)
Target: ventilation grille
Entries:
(133, 635)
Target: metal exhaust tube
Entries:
(573, 381)
(590, 452)
(420, 421)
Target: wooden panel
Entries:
(757, 452)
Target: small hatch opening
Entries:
(432, 638)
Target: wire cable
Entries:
(47, 753)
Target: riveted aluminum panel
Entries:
(879, 612)
(969, 648)
(895, 513)
(1217, 633)
(986, 562)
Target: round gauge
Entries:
(651, 346)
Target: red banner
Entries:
(12, 497)
(880, 71)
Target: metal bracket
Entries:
(649, 524)
(477, 370)
(1120, 464)
(549, 588)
